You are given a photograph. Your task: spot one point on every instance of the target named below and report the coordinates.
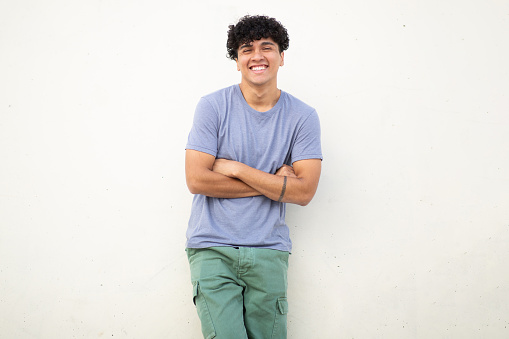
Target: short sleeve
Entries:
(203, 135)
(307, 142)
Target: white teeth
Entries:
(259, 68)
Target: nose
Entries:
(257, 54)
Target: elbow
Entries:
(197, 182)
(305, 199)
(192, 185)
(304, 202)
(305, 193)
(192, 190)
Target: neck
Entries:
(260, 98)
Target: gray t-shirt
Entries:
(226, 127)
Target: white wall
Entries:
(407, 236)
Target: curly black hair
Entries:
(256, 27)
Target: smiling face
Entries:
(259, 62)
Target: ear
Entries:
(237, 62)
(282, 59)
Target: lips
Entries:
(258, 67)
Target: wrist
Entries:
(236, 169)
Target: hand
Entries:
(286, 171)
(225, 167)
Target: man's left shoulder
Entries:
(298, 106)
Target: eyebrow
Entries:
(251, 44)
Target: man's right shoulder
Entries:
(219, 101)
(220, 94)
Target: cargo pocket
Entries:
(279, 330)
(207, 326)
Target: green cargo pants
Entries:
(240, 292)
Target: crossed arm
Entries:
(221, 178)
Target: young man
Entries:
(252, 149)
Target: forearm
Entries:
(297, 190)
(221, 178)
(216, 185)
(201, 179)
